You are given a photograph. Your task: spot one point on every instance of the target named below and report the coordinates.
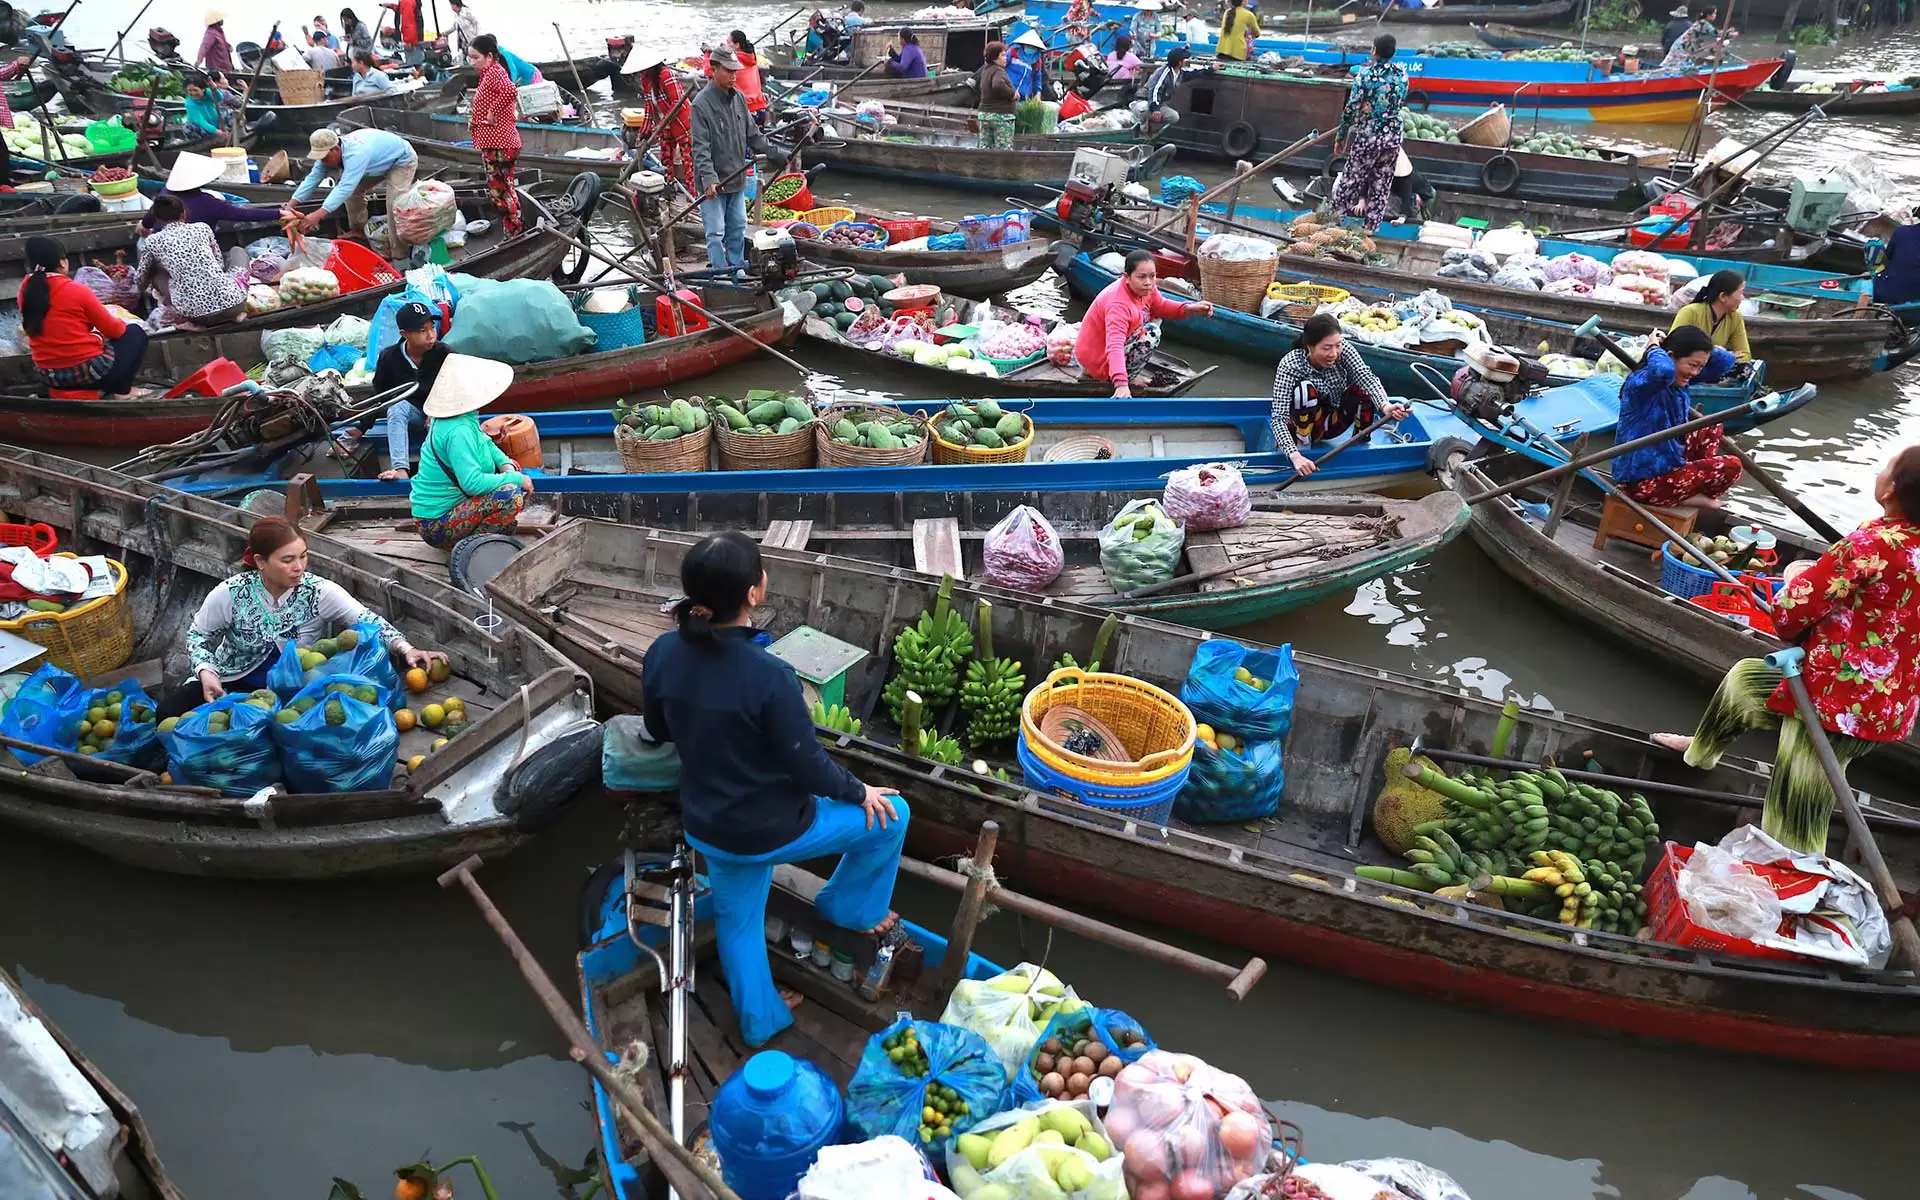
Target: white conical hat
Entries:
(192, 171)
(467, 384)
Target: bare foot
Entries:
(791, 998)
(893, 918)
(1679, 743)
(392, 476)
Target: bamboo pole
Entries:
(1778, 490)
(593, 118)
(1312, 139)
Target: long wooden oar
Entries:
(1778, 490)
(1364, 436)
(1906, 941)
(1313, 138)
(586, 101)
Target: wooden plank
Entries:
(936, 547)
(1077, 583)
(787, 535)
(1206, 551)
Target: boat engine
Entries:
(649, 191)
(1493, 381)
(164, 44)
(1093, 185)
(1084, 70)
(773, 259)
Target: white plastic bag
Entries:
(1009, 1010)
(261, 299)
(1085, 1157)
(1023, 551)
(308, 285)
(1502, 243)
(424, 211)
(1212, 496)
(1060, 343)
(1721, 894)
(1408, 1178)
(885, 1166)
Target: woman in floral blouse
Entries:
(1857, 613)
(1370, 131)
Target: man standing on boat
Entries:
(360, 161)
(1678, 22)
(723, 136)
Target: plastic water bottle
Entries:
(770, 1118)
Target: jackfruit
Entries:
(1402, 803)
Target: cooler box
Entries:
(1814, 202)
(539, 99)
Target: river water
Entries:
(276, 1037)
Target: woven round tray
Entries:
(1082, 447)
(1060, 722)
(836, 454)
(765, 451)
(688, 452)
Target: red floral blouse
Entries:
(495, 108)
(1857, 612)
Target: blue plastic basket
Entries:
(1686, 580)
(1151, 803)
(616, 330)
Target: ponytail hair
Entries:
(44, 256)
(716, 575)
(1226, 17)
(1723, 282)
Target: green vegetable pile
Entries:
(1420, 125)
(1564, 52)
(982, 425)
(1459, 50)
(1555, 143)
(140, 79)
(763, 412)
(876, 435)
(660, 422)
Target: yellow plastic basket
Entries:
(1150, 720)
(949, 453)
(1305, 299)
(820, 218)
(89, 639)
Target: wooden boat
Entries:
(1165, 375)
(299, 120)
(1365, 15)
(175, 140)
(1286, 888)
(942, 160)
(1508, 35)
(976, 274)
(486, 792)
(443, 137)
(1858, 102)
(1617, 588)
(538, 251)
(65, 1129)
(852, 83)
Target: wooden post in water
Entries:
(966, 918)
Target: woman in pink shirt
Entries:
(1115, 340)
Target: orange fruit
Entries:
(454, 704)
(166, 777)
(412, 1187)
(439, 672)
(403, 719)
(432, 715)
(416, 680)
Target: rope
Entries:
(965, 866)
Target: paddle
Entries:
(586, 101)
(1313, 138)
(1814, 520)
(1365, 435)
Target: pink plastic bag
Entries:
(1023, 551)
(1213, 496)
(1187, 1131)
(111, 287)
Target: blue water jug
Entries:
(769, 1121)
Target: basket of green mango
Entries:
(653, 438)
(981, 432)
(764, 431)
(869, 435)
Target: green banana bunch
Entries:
(939, 749)
(1543, 810)
(991, 698)
(839, 718)
(980, 768)
(1066, 660)
(928, 654)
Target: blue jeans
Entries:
(401, 420)
(725, 219)
(857, 897)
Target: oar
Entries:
(1906, 941)
(118, 42)
(1778, 490)
(587, 101)
(1313, 138)
(1365, 435)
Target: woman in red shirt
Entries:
(1854, 611)
(76, 343)
(490, 120)
(747, 79)
(1115, 339)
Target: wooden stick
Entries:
(1361, 438)
(593, 118)
(687, 1174)
(1311, 140)
(1906, 940)
(966, 918)
(1599, 456)
(1765, 479)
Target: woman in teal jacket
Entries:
(465, 485)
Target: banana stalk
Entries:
(1503, 732)
(1399, 878)
(1452, 789)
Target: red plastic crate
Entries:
(210, 380)
(1667, 912)
(906, 230)
(42, 538)
(1736, 601)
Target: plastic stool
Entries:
(73, 394)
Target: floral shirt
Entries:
(1372, 113)
(1857, 612)
(1695, 45)
(239, 626)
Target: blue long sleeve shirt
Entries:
(750, 763)
(1024, 76)
(1899, 279)
(1650, 401)
(363, 153)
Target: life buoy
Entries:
(1239, 140)
(1500, 174)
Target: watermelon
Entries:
(845, 320)
(855, 304)
(823, 292)
(842, 289)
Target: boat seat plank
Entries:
(627, 618)
(788, 535)
(1081, 583)
(1207, 551)
(936, 547)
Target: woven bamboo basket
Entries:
(765, 451)
(88, 639)
(301, 87)
(949, 454)
(688, 452)
(1237, 283)
(835, 454)
(1149, 721)
(1305, 299)
(1491, 128)
(1082, 447)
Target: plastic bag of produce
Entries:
(121, 723)
(270, 247)
(1640, 262)
(424, 212)
(1515, 275)
(1234, 247)
(1022, 551)
(1140, 546)
(885, 1166)
(348, 330)
(1089, 1042)
(340, 736)
(517, 321)
(1213, 496)
(1241, 783)
(1187, 1130)
(1237, 688)
(1326, 1181)
(1504, 243)
(262, 299)
(1077, 1163)
(1566, 286)
(893, 1086)
(225, 745)
(1464, 270)
(1009, 1010)
(1650, 290)
(1060, 343)
(355, 651)
(37, 713)
(309, 252)
(630, 762)
(1608, 294)
(1722, 894)
(1590, 271)
(308, 285)
(265, 268)
(111, 287)
(1414, 1180)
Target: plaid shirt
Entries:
(12, 70)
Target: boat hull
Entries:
(975, 274)
(1027, 172)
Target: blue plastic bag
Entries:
(239, 761)
(134, 742)
(356, 755)
(369, 657)
(630, 763)
(40, 713)
(1118, 1032)
(1228, 785)
(429, 285)
(880, 1100)
(1217, 698)
(333, 358)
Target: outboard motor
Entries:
(649, 190)
(773, 259)
(1085, 70)
(164, 44)
(1494, 380)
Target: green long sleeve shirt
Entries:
(458, 461)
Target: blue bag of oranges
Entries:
(120, 723)
(39, 713)
(1233, 687)
(337, 735)
(355, 651)
(915, 1067)
(1078, 1046)
(1231, 779)
(224, 745)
